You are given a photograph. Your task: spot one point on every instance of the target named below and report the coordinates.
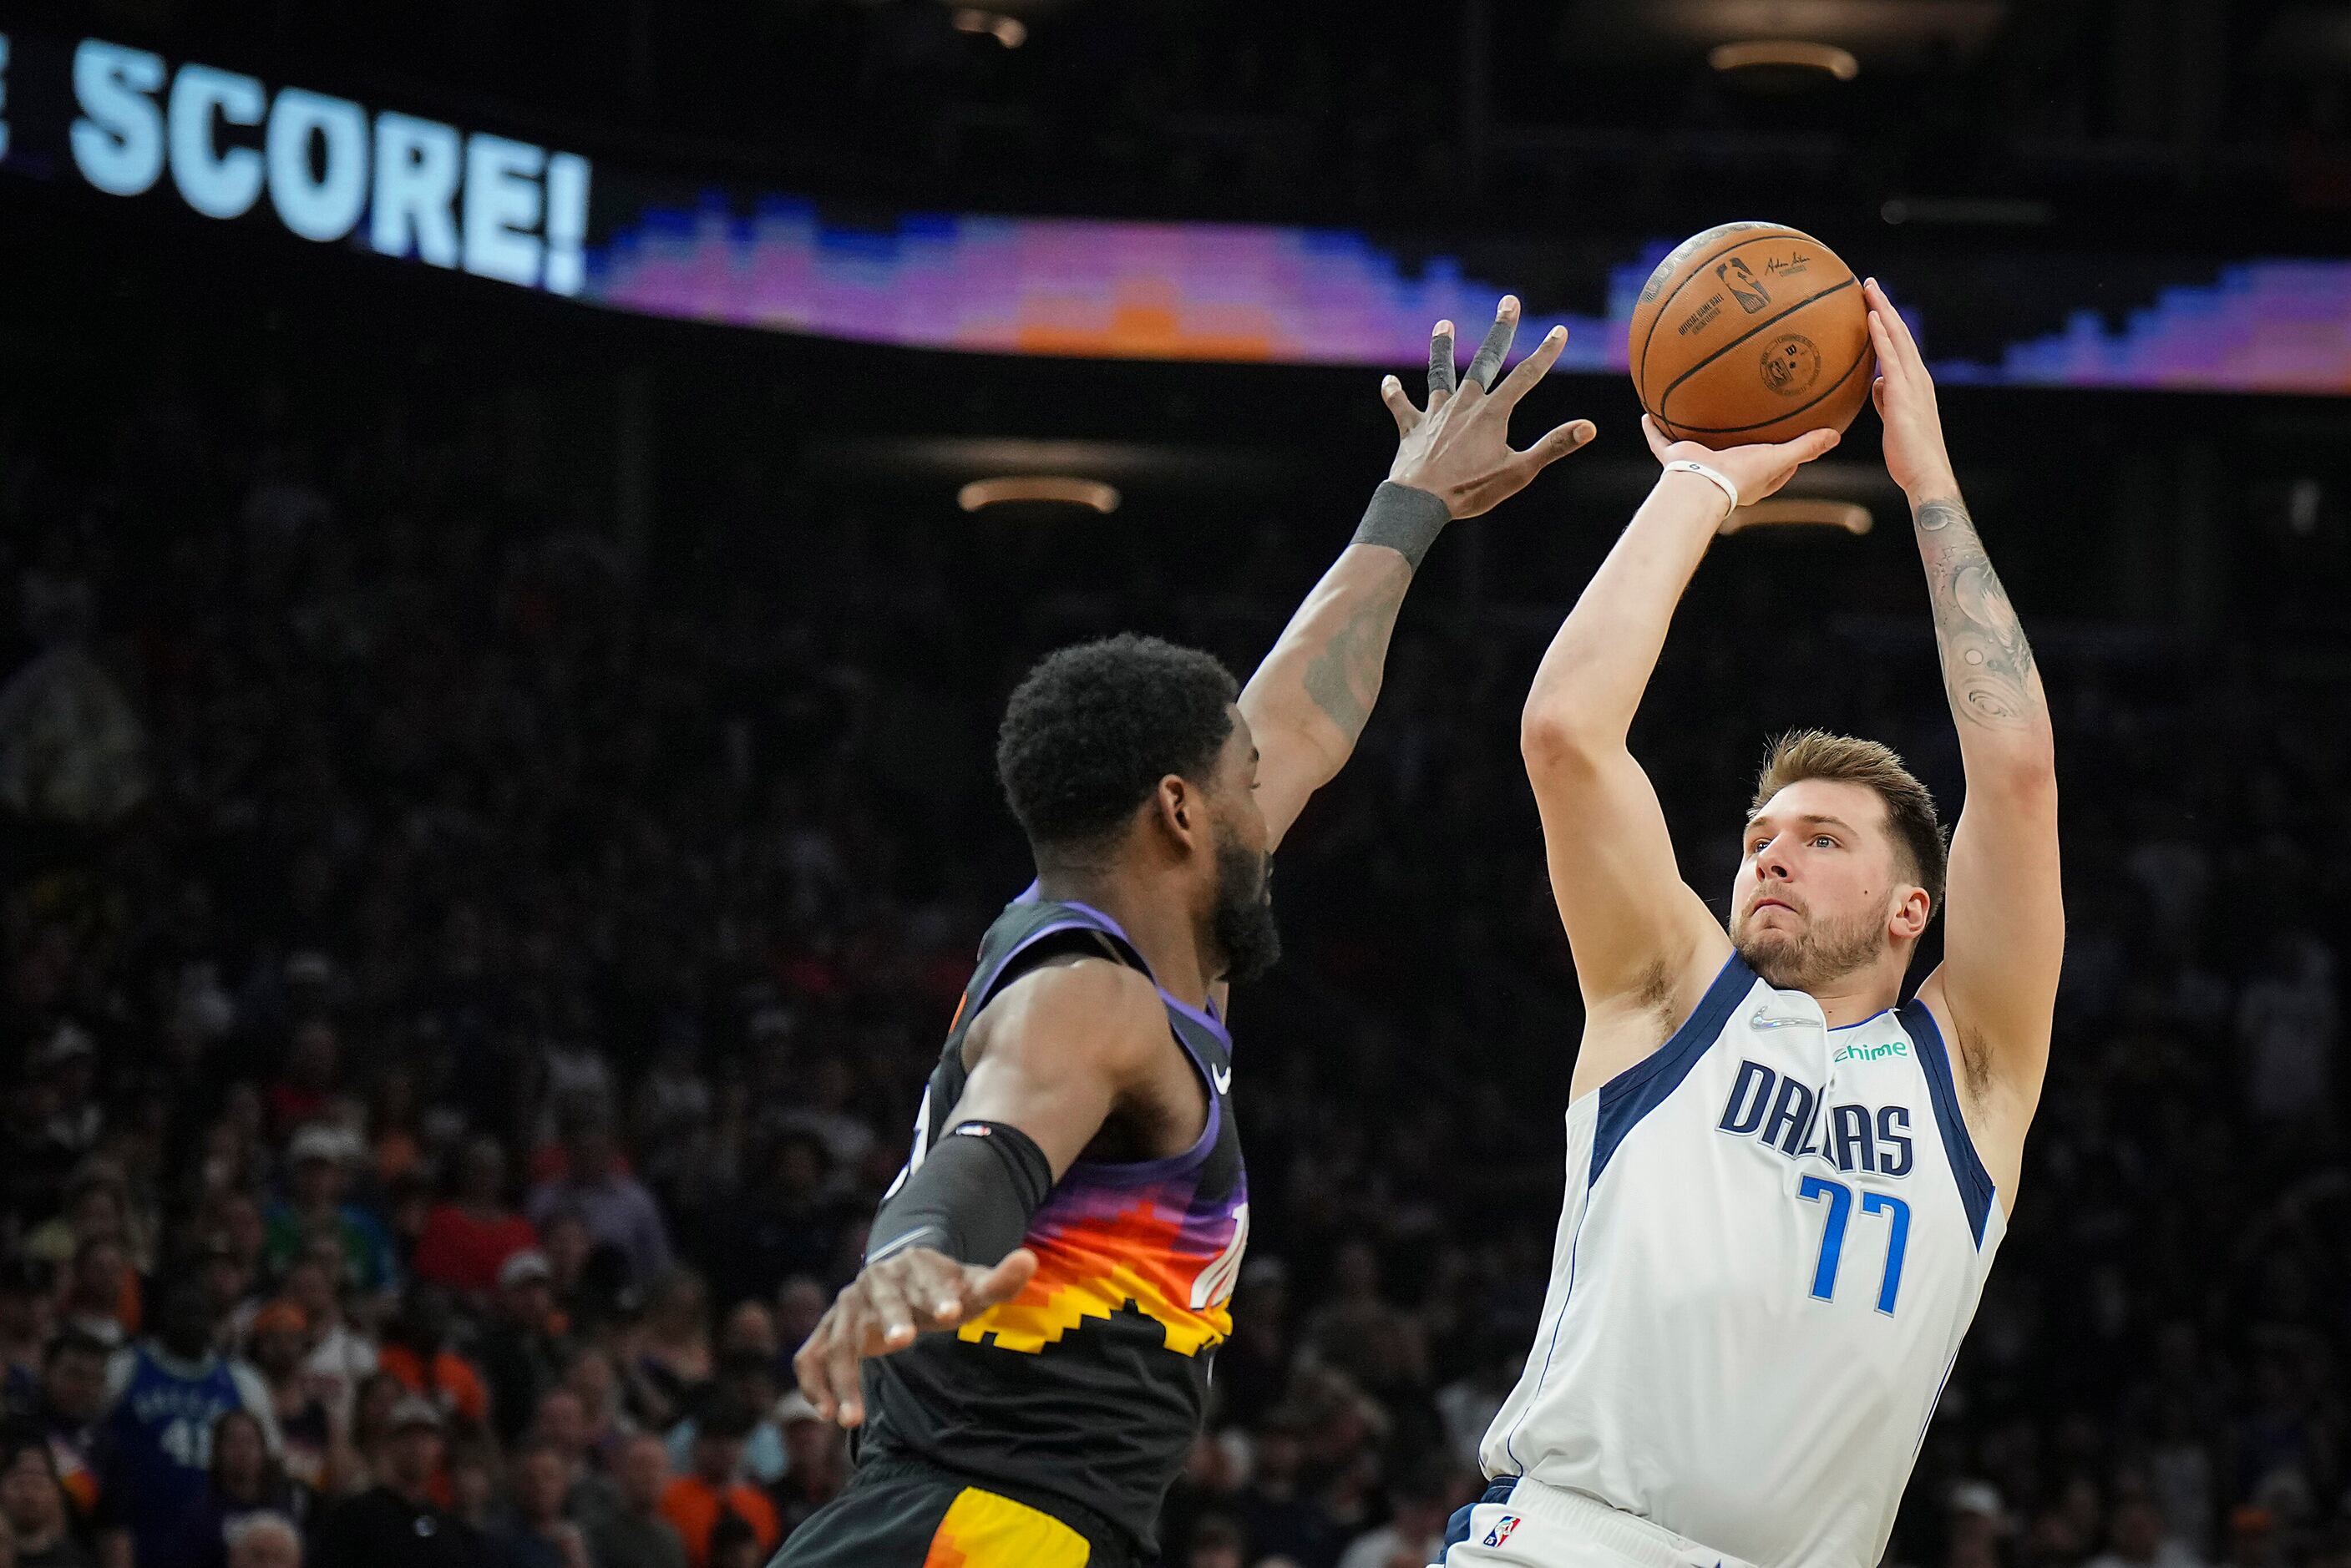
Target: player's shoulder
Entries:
(1078, 1002)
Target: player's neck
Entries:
(1857, 997)
(1153, 918)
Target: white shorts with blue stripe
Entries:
(1522, 1523)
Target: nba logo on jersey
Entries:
(1502, 1530)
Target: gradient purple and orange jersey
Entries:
(1087, 1389)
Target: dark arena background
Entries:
(496, 668)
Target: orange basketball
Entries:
(1750, 332)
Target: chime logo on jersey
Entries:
(1502, 1530)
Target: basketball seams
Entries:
(1698, 270)
(1810, 299)
(1858, 360)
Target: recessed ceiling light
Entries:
(1785, 53)
(1780, 511)
(1008, 31)
(1051, 488)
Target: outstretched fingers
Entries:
(1811, 444)
(1532, 369)
(1440, 364)
(1391, 393)
(1487, 362)
(986, 1288)
(1556, 445)
(1888, 333)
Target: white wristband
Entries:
(1716, 474)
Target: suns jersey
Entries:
(1089, 1386)
(1775, 1235)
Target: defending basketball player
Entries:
(1026, 1351)
(1784, 1186)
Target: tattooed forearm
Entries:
(1987, 662)
(1342, 677)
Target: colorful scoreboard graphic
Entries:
(1234, 292)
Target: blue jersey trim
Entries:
(1641, 1088)
(1975, 1181)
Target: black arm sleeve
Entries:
(971, 1200)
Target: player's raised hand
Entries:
(1904, 395)
(1458, 447)
(1757, 470)
(886, 1307)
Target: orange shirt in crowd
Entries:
(691, 1505)
(455, 1386)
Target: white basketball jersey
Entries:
(1774, 1237)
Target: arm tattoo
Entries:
(1344, 676)
(1987, 662)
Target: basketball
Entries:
(1751, 333)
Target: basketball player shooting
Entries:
(1025, 1352)
(1784, 1186)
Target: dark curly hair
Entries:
(1092, 728)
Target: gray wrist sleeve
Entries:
(1405, 520)
(972, 1198)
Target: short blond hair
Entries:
(1920, 840)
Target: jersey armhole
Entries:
(1958, 1147)
(1074, 936)
(1642, 1087)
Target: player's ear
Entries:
(1179, 809)
(1912, 911)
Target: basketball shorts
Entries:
(1522, 1523)
(903, 1513)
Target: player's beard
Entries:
(1244, 926)
(1823, 952)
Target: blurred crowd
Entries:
(465, 977)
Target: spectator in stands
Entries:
(523, 1347)
(795, 1224)
(68, 1413)
(264, 1541)
(561, 1426)
(1218, 1541)
(26, 1294)
(417, 1351)
(612, 1204)
(713, 1489)
(538, 1534)
(340, 1355)
(590, 1375)
(300, 1095)
(395, 1523)
(32, 1503)
(636, 1534)
(245, 1482)
(1415, 1534)
(97, 1208)
(102, 1292)
(367, 1458)
(474, 1234)
(308, 1419)
(168, 1395)
(746, 1378)
(674, 1355)
(1279, 1512)
(2136, 1539)
(317, 1207)
(816, 1466)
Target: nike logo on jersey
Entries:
(1759, 1019)
(1223, 1078)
